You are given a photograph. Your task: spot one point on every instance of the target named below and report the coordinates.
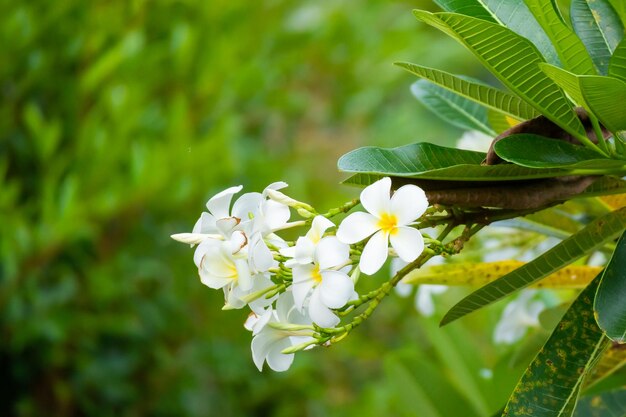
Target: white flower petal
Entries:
(213, 281)
(302, 283)
(215, 260)
(424, 302)
(244, 278)
(261, 256)
(278, 185)
(205, 224)
(304, 250)
(320, 314)
(226, 225)
(330, 252)
(375, 197)
(407, 242)
(219, 204)
(261, 282)
(247, 206)
(261, 345)
(356, 227)
(374, 253)
(336, 289)
(403, 290)
(319, 225)
(191, 238)
(278, 361)
(275, 215)
(237, 242)
(408, 203)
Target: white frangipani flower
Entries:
(517, 317)
(268, 341)
(324, 281)
(387, 220)
(304, 250)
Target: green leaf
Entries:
(587, 240)
(474, 8)
(483, 94)
(569, 47)
(620, 7)
(539, 152)
(513, 59)
(452, 108)
(606, 404)
(609, 304)
(501, 122)
(605, 97)
(612, 359)
(567, 81)
(429, 161)
(552, 380)
(510, 13)
(617, 64)
(600, 29)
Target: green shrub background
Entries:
(119, 119)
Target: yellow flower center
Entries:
(388, 223)
(315, 274)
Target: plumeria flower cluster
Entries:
(298, 291)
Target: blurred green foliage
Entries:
(118, 120)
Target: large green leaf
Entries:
(474, 8)
(452, 108)
(617, 64)
(569, 47)
(609, 304)
(613, 359)
(513, 59)
(587, 240)
(539, 152)
(567, 81)
(600, 29)
(620, 8)
(510, 13)
(606, 404)
(553, 379)
(429, 161)
(605, 97)
(490, 97)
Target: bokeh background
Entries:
(119, 119)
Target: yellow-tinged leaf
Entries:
(479, 274)
(611, 360)
(512, 121)
(615, 202)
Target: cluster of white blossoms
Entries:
(295, 288)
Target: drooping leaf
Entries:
(605, 97)
(609, 304)
(599, 27)
(606, 404)
(451, 107)
(590, 238)
(481, 273)
(569, 47)
(612, 359)
(617, 64)
(510, 13)
(607, 185)
(489, 97)
(429, 161)
(535, 151)
(513, 59)
(553, 378)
